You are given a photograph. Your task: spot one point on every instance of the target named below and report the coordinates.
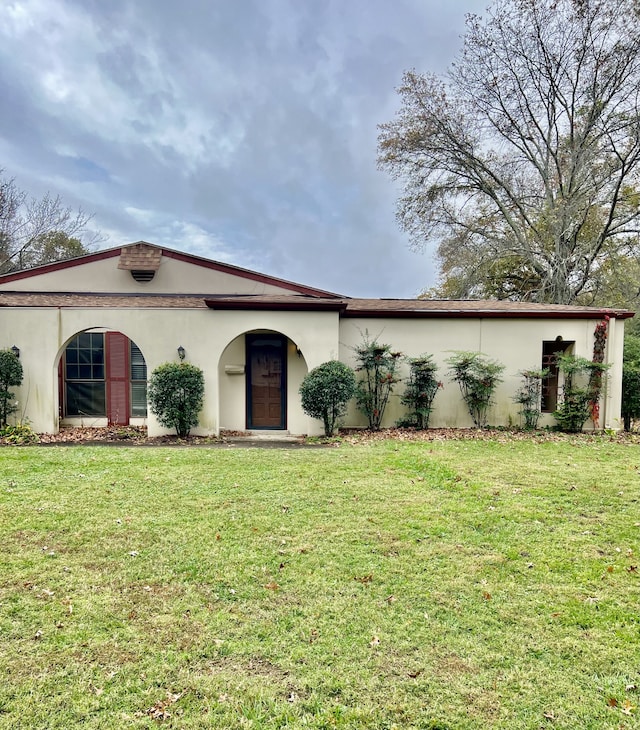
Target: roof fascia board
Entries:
(171, 254)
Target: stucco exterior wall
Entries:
(516, 343)
(173, 276)
(211, 339)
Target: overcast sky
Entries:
(239, 130)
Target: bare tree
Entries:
(36, 231)
(522, 162)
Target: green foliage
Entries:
(631, 380)
(18, 435)
(176, 394)
(422, 386)
(582, 384)
(528, 396)
(325, 392)
(477, 377)
(378, 365)
(10, 376)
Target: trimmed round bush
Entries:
(176, 395)
(325, 392)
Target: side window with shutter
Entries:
(138, 383)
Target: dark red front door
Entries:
(266, 381)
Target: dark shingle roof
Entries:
(348, 307)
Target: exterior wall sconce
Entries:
(16, 351)
(181, 352)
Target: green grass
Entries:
(446, 585)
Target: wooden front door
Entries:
(266, 381)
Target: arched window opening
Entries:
(104, 375)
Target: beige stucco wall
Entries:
(42, 334)
(213, 339)
(516, 343)
(173, 276)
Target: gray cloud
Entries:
(243, 131)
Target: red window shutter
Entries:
(117, 360)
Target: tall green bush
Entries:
(581, 388)
(10, 375)
(378, 366)
(631, 380)
(422, 386)
(176, 395)
(326, 391)
(529, 396)
(478, 378)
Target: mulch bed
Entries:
(134, 436)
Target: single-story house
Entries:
(90, 330)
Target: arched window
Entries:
(104, 375)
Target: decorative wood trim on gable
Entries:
(141, 259)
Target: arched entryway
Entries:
(260, 373)
(102, 380)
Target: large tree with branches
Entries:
(35, 231)
(522, 162)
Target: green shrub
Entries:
(325, 392)
(378, 366)
(10, 375)
(422, 386)
(477, 377)
(19, 434)
(176, 395)
(582, 383)
(631, 380)
(529, 396)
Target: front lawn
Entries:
(439, 585)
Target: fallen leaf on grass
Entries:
(364, 579)
(391, 599)
(550, 715)
(415, 674)
(487, 596)
(627, 708)
(160, 711)
(273, 586)
(612, 702)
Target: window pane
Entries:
(84, 340)
(138, 365)
(139, 399)
(85, 399)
